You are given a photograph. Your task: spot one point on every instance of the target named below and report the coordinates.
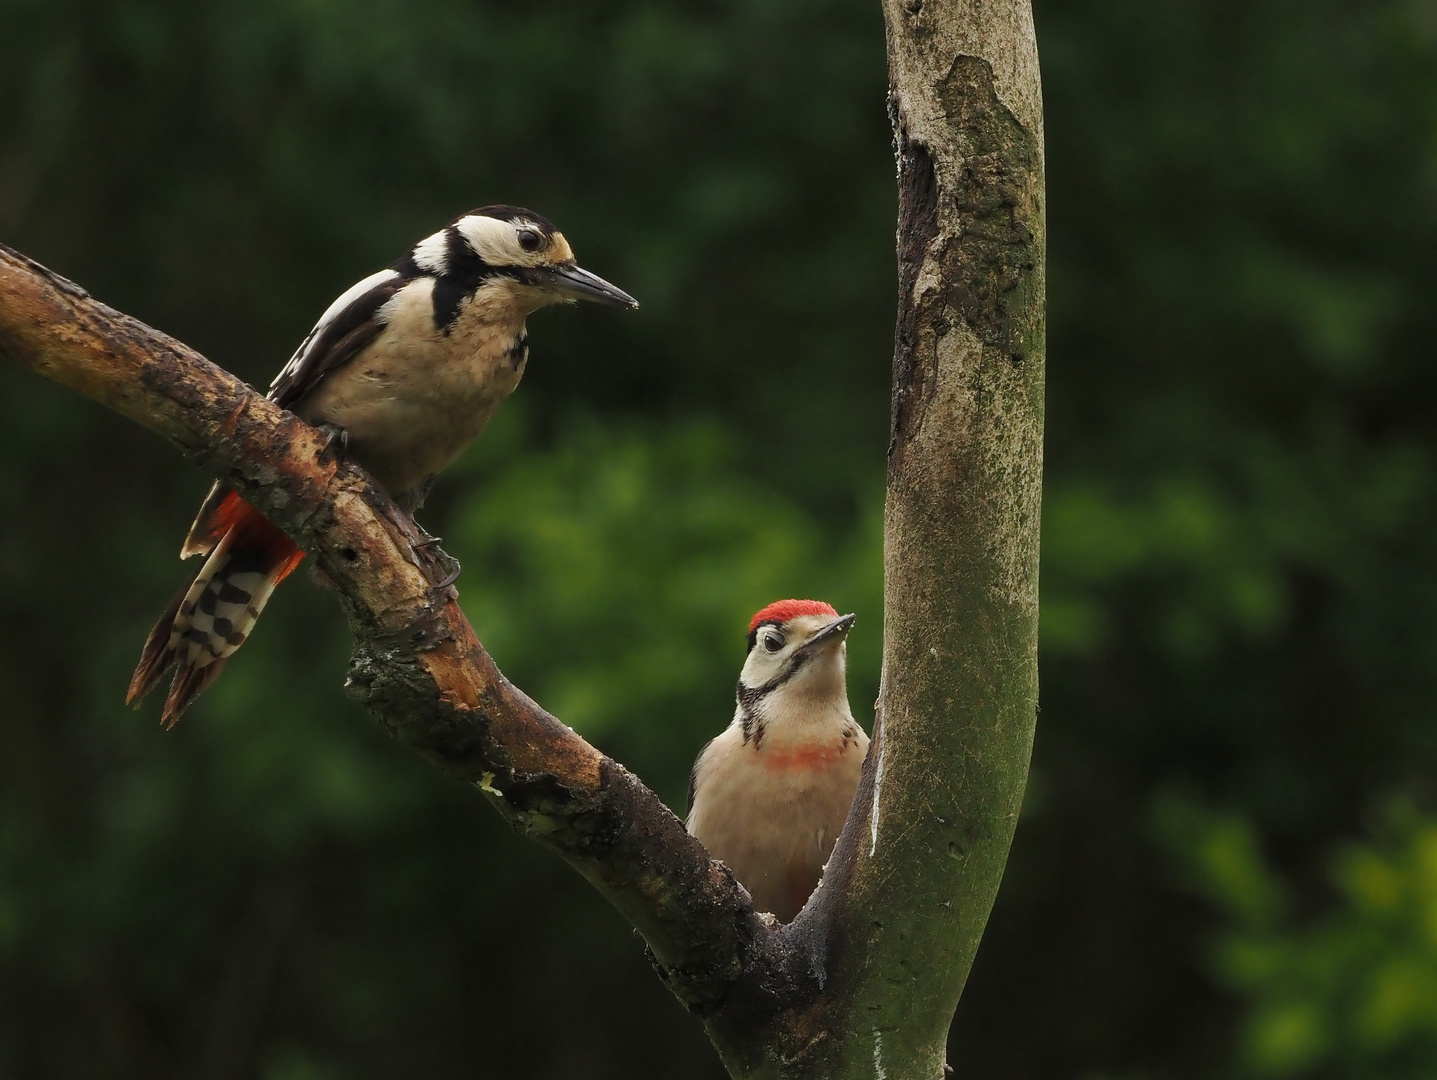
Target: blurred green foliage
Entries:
(1239, 541)
(1350, 990)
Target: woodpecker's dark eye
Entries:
(530, 240)
(773, 642)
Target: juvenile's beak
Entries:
(836, 630)
(574, 281)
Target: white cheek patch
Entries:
(432, 253)
(496, 242)
(761, 666)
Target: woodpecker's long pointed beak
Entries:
(577, 282)
(838, 629)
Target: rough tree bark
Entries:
(865, 981)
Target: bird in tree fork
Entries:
(770, 794)
(402, 372)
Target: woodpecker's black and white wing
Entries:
(347, 326)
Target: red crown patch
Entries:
(780, 611)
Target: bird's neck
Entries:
(791, 720)
(504, 301)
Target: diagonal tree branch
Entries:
(417, 663)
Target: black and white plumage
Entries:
(409, 364)
(412, 361)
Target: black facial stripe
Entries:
(536, 276)
(457, 251)
(752, 725)
(751, 695)
(464, 272)
(449, 293)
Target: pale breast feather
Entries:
(349, 324)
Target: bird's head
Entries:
(519, 251)
(797, 651)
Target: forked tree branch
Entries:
(864, 982)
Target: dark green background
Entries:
(1227, 865)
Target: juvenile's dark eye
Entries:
(529, 240)
(773, 642)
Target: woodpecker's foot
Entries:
(423, 562)
(428, 541)
(336, 442)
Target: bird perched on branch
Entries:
(770, 794)
(403, 371)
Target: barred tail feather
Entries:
(157, 656)
(213, 614)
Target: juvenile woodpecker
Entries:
(403, 370)
(769, 796)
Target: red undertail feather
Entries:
(780, 611)
(213, 614)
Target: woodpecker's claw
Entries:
(449, 578)
(336, 436)
(452, 576)
(433, 542)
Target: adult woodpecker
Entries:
(770, 794)
(403, 370)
